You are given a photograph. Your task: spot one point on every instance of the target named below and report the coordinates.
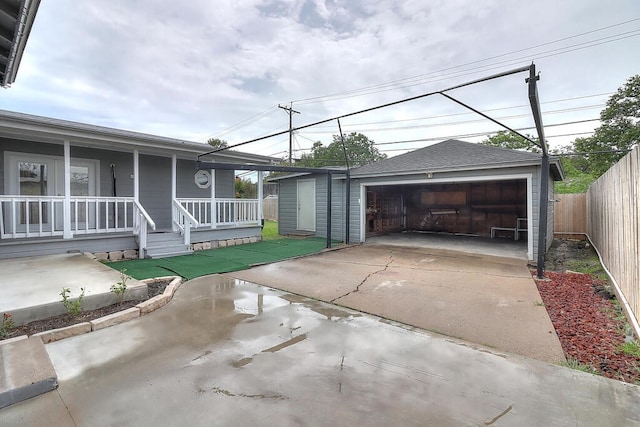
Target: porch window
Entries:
(33, 181)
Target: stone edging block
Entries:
(62, 333)
(115, 318)
(110, 319)
(158, 301)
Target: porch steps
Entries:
(166, 244)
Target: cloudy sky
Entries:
(200, 68)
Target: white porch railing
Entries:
(227, 212)
(31, 216)
(43, 216)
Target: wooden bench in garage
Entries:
(516, 230)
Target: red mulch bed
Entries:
(585, 321)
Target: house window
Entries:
(202, 179)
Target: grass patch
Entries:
(591, 266)
(579, 366)
(270, 230)
(631, 348)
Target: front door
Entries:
(36, 175)
(307, 205)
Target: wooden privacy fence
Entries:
(270, 208)
(613, 225)
(570, 215)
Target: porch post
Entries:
(260, 197)
(136, 178)
(174, 185)
(66, 233)
(213, 199)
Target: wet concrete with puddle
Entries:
(228, 352)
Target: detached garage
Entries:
(452, 187)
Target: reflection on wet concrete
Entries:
(233, 353)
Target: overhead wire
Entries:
(422, 78)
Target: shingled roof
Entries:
(452, 155)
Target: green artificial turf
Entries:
(221, 260)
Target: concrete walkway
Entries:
(30, 287)
(488, 300)
(230, 353)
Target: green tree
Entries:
(217, 143)
(245, 189)
(619, 131)
(511, 141)
(359, 148)
(577, 174)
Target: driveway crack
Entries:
(357, 288)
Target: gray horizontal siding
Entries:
(287, 206)
(93, 244)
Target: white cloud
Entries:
(192, 69)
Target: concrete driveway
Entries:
(487, 300)
(224, 352)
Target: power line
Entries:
(490, 110)
(243, 122)
(483, 68)
(515, 116)
(394, 84)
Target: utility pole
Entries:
(290, 111)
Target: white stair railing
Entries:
(142, 220)
(184, 220)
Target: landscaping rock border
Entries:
(145, 307)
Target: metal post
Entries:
(542, 224)
(347, 207)
(328, 210)
(348, 184)
(260, 197)
(544, 171)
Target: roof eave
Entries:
(100, 137)
(24, 23)
(452, 169)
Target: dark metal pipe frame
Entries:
(489, 118)
(537, 116)
(366, 110)
(265, 168)
(347, 228)
(347, 189)
(544, 171)
(329, 178)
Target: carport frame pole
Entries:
(329, 178)
(544, 171)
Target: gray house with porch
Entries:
(67, 186)
(452, 187)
